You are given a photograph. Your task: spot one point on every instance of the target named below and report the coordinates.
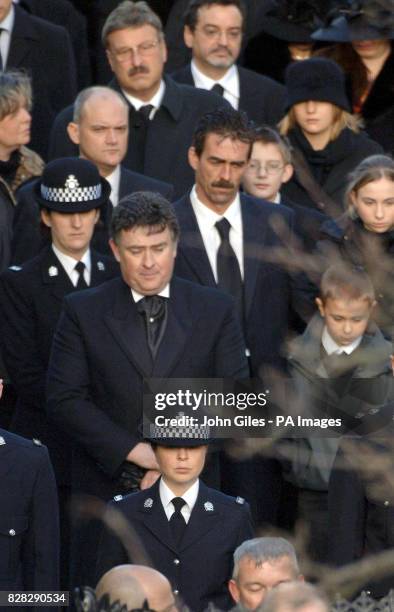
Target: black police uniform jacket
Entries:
(29, 538)
(200, 567)
(30, 304)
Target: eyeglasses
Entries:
(144, 49)
(271, 167)
(214, 33)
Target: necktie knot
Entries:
(223, 226)
(178, 503)
(152, 306)
(145, 111)
(218, 89)
(80, 268)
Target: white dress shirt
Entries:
(206, 219)
(331, 347)
(190, 497)
(5, 38)
(165, 292)
(69, 263)
(114, 180)
(229, 82)
(156, 100)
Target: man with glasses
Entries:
(162, 113)
(213, 31)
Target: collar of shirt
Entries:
(190, 497)
(68, 264)
(229, 82)
(277, 198)
(165, 292)
(156, 100)
(206, 219)
(331, 347)
(7, 26)
(114, 180)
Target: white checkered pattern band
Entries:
(201, 432)
(67, 194)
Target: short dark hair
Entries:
(144, 209)
(346, 282)
(225, 122)
(190, 16)
(268, 135)
(129, 14)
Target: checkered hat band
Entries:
(67, 194)
(200, 433)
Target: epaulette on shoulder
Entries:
(118, 498)
(37, 442)
(239, 500)
(15, 268)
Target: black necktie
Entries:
(145, 111)
(218, 89)
(80, 268)
(154, 309)
(177, 520)
(229, 275)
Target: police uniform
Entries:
(201, 566)
(29, 534)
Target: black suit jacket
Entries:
(31, 299)
(201, 566)
(269, 291)
(29, 237)
(44, 51)
(29, 534)
(100, 357)
(261, 98)
(169, 134)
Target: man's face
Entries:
(15, 129)
(180, 467)
(5, 6)
(137, 57)
(346, 320)
(102, 132)
(216, 39)
(218, 170)
(71, 232)
(255, 581)
(146, 259)
(266, 171)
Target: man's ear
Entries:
(234, 590)
(46, 217)
(193, 158)
(320, 306)
(114, 249)
(73, 132)
(188, 37)
(287, 173)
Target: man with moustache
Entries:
(100, 129)
(213, 31)
(226, 242)
(162, 113)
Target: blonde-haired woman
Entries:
(326, 137)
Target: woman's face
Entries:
(371, 49)
(315, 118)
(15, 129)
(374, 203)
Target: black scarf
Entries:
(9, 168)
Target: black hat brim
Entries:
(284, 30)
(343, 31)
(180, 442)
(72, 207)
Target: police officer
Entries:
(189, 530)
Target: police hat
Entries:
(71, 185)
(181, 434)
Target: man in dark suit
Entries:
(162, 113)
(29, 538)
(44, 50)
(110, 338)
(227, 241)
(213, 30)
(31, 298)
(100, 130)
(180, 521)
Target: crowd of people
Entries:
(216, 207)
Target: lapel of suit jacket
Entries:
(192, 245)
(54, 275)
(127, 327)
(203, 518)
(6, 450)
(187, 76)
(253, 241)
(177, 332)
(23, 34)
(154, 518)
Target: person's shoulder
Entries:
(20, 274)
(139, 501)
(226, 503)
(201, 295)
(199, 99)
(263, 209)
(28, 450)
(42, 26)
(259, 80)
(99, 296)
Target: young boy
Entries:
(188, 530)
(269, 167)
(340, 368)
